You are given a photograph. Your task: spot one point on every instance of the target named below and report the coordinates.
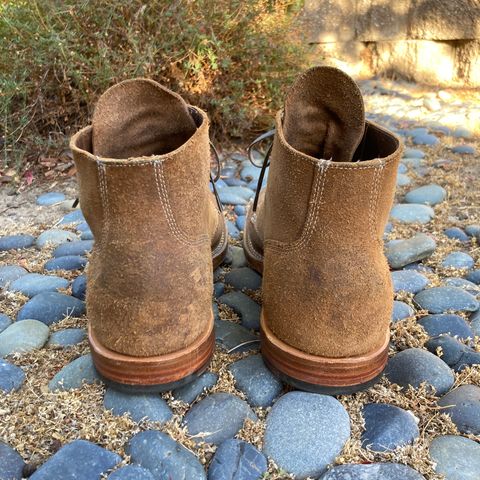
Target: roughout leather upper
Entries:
(319, 224)
(153, 218)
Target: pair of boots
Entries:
(315, 233)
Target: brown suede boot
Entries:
(143, 172)
(316, 233)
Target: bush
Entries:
(230, 57)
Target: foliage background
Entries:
(232, 58)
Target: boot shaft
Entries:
(324, 201)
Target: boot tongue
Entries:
(324, 115)
(139, 118)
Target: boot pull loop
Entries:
(265, 163)
(213, 179)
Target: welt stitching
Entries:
(163, 194)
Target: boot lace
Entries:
(265, 163)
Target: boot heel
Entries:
(153, 374)
(331, 376)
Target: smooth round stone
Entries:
(87, 235)
(54, 237)
(34, 283)
(11, 463)
(408, 281)
(131, 472)
(74, 374)
(463, 406)
(457, 458)
(413, 162)
(234, 182)
(217, 417)
(444, 299)
(250, 173)
(464, 149)
(453, 352)
(475, 323)
(446, 324)
(218, 289)
(50, 307)
(148, 406)
(79, 287)
(244, 277)
(70, 262)
(401, 310)
(67, 337)
(10, 273)
(16, 242)
(402, 168)
(425, 139)
(432, 104)
(466, 285)
(472, 230)
(415, 366)
(245, 307)
(50, 198)
(73, 217)
(189, 392)
(387, 427)
(82, 227)
(418, 267)
(240, 210)
(4, 322)
(219, 184)
(427, 195)
(412, 213)
(458, 260)
(229, 198)
(456, 234)
(474, 276)
(237, 460)
(462, 132)
(403, 180)
(234, 338)
(80, 247)
(413, 153)
(241, 222)
(22, 337)
(11, 378)
(235, 257)
(233, 231)
(372, 471)
(79, 460)
(305, 432)
(256, 381)
(163, 457)
(244, 192)
(412, 250)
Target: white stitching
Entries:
(163, 195)
(376, 192)
(104, 198)
(312, 216)
(220, 245)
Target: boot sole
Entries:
(153, 374)
(333, 376)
